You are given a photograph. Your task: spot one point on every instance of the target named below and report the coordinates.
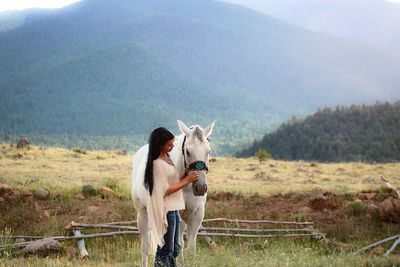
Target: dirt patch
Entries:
(321, 204)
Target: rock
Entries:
(308, 250)
(38, 207)
(5, 189)
(47, 213)
(105, 191)
(378, 250)
(89, 190)
(11, 197)
(80, 196)
(26, 194)
(366, 196)
(18, 156)
(23, 142)
(322, 204)
(213, 160)
(1, 199)
(16, 193)
(70, 250)
(121, 152)
(55, 194)
(83, 218)
(372, 208)
(92, 209)
(41, 194)
(373, 211)
(344, 246)
(306, 210)
(43, 246)
(321, 193)
(368, 180)
(210, 242)
(389, 210)
(20, 240)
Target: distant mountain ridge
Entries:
(356, 133)
(373, 22)
(122, 68)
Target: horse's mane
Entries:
(197, 132)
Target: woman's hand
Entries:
(192, 176)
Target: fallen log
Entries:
(74, 225)
(81, 245)
(388, 184)
(256, 221)
(62, 238)
(22, 236)
(228, 220)
(255, 236)
(42, 246)
(254, 230)
(376, 243)
(393, 247)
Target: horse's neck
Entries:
(177, 157)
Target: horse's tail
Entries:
(139, 165)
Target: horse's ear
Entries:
(184, 129)
(208, 130)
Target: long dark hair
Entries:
(157, 139)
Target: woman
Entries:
(164, 185)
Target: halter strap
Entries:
(183, 153)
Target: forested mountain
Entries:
(117, 69)
(356, 133)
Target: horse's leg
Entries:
(142, 223)
(193, 226)
(182, 229)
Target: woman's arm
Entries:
(172, 188)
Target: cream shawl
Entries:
(156, 206)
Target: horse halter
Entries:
(197, 165)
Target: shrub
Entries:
(80, 151)
(89, 190)
(300, 217)
(355, 208)
(262, 155)
(111, 183)
(259, 174)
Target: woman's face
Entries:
(168, 146)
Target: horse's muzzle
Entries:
(200, 185)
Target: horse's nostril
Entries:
(205, 188)
(198, 188)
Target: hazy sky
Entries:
(24, 4)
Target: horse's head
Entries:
(196, 150)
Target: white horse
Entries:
(191, 151)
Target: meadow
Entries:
(238, 188)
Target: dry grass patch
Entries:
(60, 168)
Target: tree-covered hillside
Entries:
(116, 69)
(356, 133)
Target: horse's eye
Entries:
(187, 152)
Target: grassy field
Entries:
(239, 188)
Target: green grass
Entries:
(125, 251)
